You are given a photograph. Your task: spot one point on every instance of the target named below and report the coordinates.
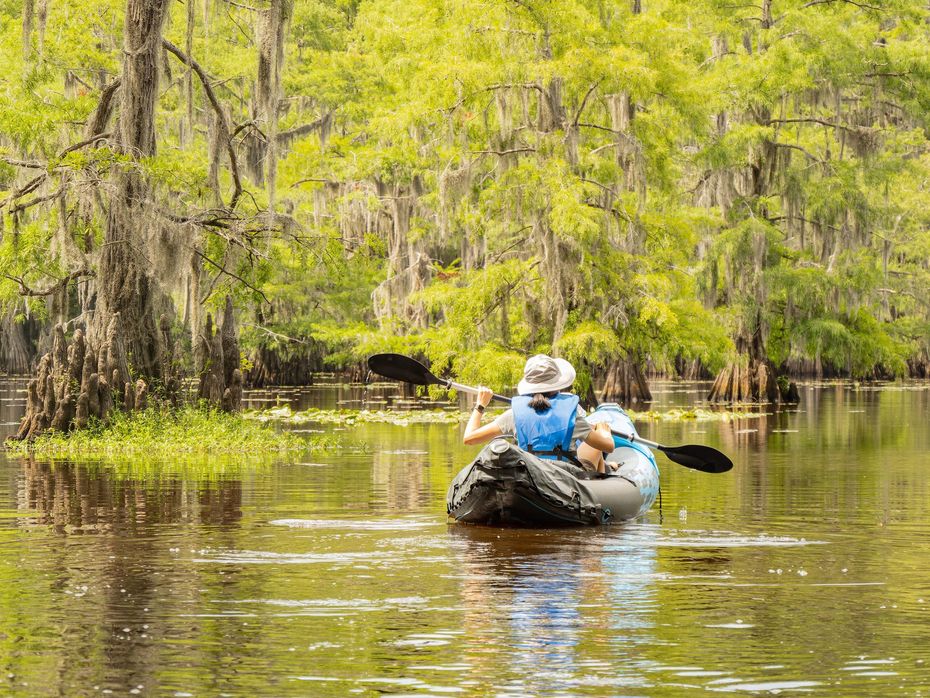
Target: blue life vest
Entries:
(546, 434)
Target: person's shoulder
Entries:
(579, 411)
(505, 421)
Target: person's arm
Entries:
(474, 432)
(600, 437)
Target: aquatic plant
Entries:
(692, 414)
(164, 433)
(347, 417)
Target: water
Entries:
(802, 571)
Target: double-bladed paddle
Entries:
(403, 368)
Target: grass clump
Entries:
(168, 433)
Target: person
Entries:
(544, 420)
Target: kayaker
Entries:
(544, 420)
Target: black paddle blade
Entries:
(703, 458)
(402, 368)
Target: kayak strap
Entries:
(558, 453)
(594, 475)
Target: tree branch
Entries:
(504, 152)
(224, 270)
(285, 137)
(37, 200)
(220, 116)
(25, 290)
(98, 121)
(275, 335)
(860, 5)
(88, 141)
(797, 147)
(584, 102)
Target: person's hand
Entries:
(602, 426)
(484, 396)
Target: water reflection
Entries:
(804, 569)
(12, 405)
(551, 604)
(76, 499)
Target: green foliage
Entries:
(685, 182)
(588, 342)
(189, 432)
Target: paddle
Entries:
(403, 368)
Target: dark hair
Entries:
(540, 401)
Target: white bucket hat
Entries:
(543, 374)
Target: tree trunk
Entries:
(125, 288)
(42, 18)
(754, 380)
(28, 17)
(262, 152)
(273, 52)
(122, 353)
(625, 383)
(217, 360)
(189, 75)
(15, 351)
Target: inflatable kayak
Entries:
(506, 486)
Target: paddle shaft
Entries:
(403, 368)
(504, 398)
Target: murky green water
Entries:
(804, 570)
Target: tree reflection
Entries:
(81, 498)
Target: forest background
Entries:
(695, 189)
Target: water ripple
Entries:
(356, 524)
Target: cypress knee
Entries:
(129, 397)
(142, 395)
(105, 394)
(93, 395)
(64, 414)
(33, 405)
(76, 357)
(80, 413)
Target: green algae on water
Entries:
(692, 414)
(350, 417)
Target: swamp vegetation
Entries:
(169, 435)
(662, 188)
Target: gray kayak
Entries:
(507, 486)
